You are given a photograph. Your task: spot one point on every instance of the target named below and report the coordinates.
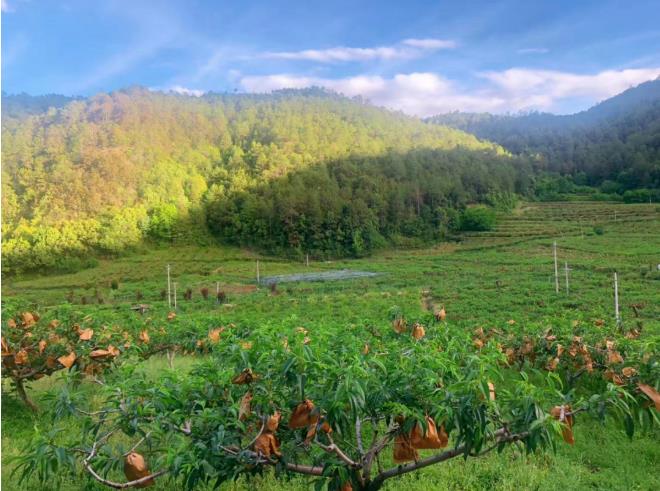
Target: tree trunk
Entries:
(20, 388)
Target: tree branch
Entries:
(333, 448)
(441, 457)
(138, 444)
(358, 435)
(116, 485)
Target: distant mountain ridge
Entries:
(616, 140)
(22, 105)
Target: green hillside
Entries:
(100, 175)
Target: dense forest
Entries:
(356, 204)
(100, 175)
(614, 145)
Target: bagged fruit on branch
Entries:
(302, 415)
(563, 414)
(136, 468)
(432, 438)
(403, 450)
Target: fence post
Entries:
(175, 295)
(554, 253)
(217, 290)
(566, 274)
(307, 260)
(258, 272)
(169, 296)
(617, 315)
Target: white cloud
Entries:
(425, 94)
(421, 94)
(409, 48)
(533, 51)
(6, 8)
(559, 85)
(430, 43)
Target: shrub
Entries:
(478, 218)
(205, 293)
(114, 284)
(641, 196)
(598, 230)
(222, 297)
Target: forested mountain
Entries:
(615, 144)
(20, 105)
(275, 171)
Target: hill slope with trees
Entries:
(615, 144)
(100, 175)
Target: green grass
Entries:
(485, 280)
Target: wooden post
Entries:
(169, 296)
(307, 260)
(554, 253)
(617, 315)
(566, 275)
(258, 272)
(175, 295)
(217, 290)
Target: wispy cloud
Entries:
(533, 51)
(6, 8)
(425, 94)
(409, 48)
(430, 43)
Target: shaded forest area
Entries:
(614, 146)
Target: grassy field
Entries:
(486, 280)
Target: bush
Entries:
(477, 219)
(605, 197)
(72, 264)
(114, 284)
(642, 196)
(598, 230)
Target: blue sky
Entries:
(420, 57)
